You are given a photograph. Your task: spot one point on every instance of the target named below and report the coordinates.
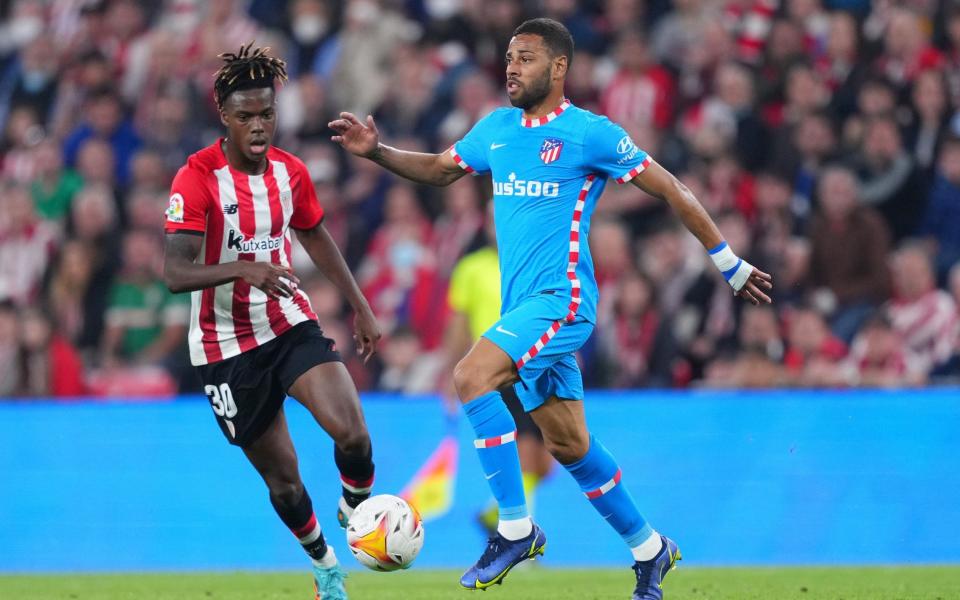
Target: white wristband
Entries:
(734, 269)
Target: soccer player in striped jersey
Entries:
(253, 336)
(549, 162)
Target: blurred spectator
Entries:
(50, 365)
(931, 116)
(31, 80)
(813, 353)
(88, 72)
(850, 243)
(407, 367)
(145, 322)
(93, 224)
(759, 332)
(22, 132)
(26, 246)
(53, 186)
(459, 227)
(143, 206)
(877, 358)
(104, 120)
(75, 304)
(399, 265)
(813, 145)
(148, 169)
(312, 28)
(369, 35)
(840, 66)
(636, 342)
(941, 221)
(475, 97)
(706, 317)
(907, 49)
(952, 58)
(328, 304)
(754, 370)
(924, 317)
(887, 177)
(875, 98)
(96, 162)
(9, 349)
(640, 95)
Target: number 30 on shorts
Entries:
(221, 399)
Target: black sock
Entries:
(302, 522)
(356, 475)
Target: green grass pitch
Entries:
(690, 583)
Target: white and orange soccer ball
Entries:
(385, 533)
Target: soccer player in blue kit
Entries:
(549, 161)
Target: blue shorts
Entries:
(542, 344)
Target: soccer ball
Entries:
(385, 533)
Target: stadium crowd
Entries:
(822, 135)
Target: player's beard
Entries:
(536, 93)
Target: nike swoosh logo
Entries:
(607, 516)
(504, 331)
(495, 146)
(492, 475)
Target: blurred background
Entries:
(822, 135)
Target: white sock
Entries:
(647, 549)
(515, 529)
(329, 559)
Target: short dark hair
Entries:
(555, 35)
(247, 70)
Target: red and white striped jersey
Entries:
(241, 217)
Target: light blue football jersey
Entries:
(547, 176)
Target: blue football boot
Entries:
(650, 573)
(502, 555)
(328, 582)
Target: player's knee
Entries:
(285, 491)
(353, 441)
(568, 449)
(471, 380)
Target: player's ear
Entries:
(560, 66)
(223, 118)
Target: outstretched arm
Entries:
(747, 281)
(364, 140)
(325, 254)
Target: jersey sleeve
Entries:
(471, 151)
(189, 202)
(608, 149)
(307, 212)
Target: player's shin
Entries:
(302, 522)
(496, 443)
(599, 478)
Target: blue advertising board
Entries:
(771, 478)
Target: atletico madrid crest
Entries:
(550, 150)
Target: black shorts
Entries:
(524, 421)
(246, 391)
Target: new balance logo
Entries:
(236, 243)
(229, 209)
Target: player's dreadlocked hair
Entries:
(247, 70)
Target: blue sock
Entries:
(599, 478)
(496, 445)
